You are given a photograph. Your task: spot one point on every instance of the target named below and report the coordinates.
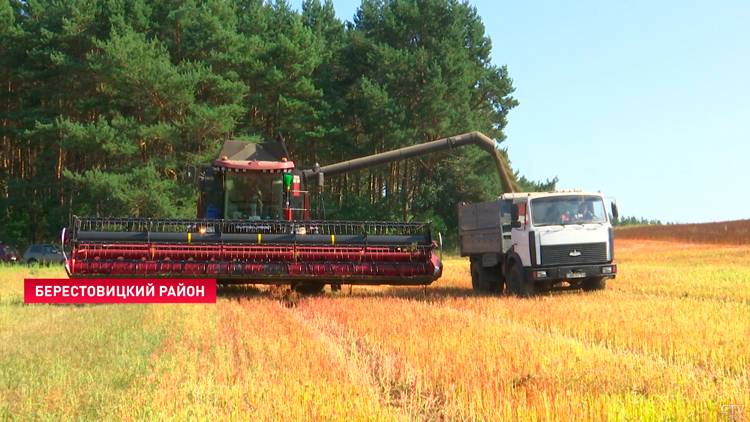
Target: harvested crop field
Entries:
(668, 340)
(725, 232)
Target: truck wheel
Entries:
(595, 283)
(517, 285)
(307, 288)
(479, 280)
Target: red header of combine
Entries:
(109, 290)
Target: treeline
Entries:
(634, 221)
(104, 103)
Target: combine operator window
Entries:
(253, 197)
(573, 209)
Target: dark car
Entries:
(9, 254)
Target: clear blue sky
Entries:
(647, 101)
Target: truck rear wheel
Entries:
(595, 283)
(479, 280)
(517, 285)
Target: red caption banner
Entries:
(119, 290)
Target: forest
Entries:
(105, 102)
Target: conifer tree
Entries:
(104, 102)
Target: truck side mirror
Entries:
(615, 211)
(515, 224)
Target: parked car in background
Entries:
(9, 254)
(43, 254)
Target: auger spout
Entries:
(508, 180)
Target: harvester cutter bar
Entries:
(356, 252)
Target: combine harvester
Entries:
(254, 227)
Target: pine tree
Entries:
(104, 102)
(323, 135)
(426, 73)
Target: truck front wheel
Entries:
(595, 283)
(517, 285)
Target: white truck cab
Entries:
(542, 241)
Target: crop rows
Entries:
(666, 341)
(725, 232)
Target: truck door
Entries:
(506, 206)
(520, 233)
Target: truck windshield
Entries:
(253, 197)
(569, 209)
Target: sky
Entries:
(645, 101)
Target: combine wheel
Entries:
(595, 283)
(309, 288)
(479, 280)
(517, 285)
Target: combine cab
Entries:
(254, 226)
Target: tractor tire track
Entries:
(656, 358)
(392, 381)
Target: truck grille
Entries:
(582, 253)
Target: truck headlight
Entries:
(608, 270)
(540, 274)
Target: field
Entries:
(668, 341)
(724, 232)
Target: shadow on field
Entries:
(431, 294)
(244, 291)
(420, 293)
(239, 291)
(416, 293)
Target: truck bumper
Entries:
(571, 273)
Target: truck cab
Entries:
(534, 242)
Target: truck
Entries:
(529, 243)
